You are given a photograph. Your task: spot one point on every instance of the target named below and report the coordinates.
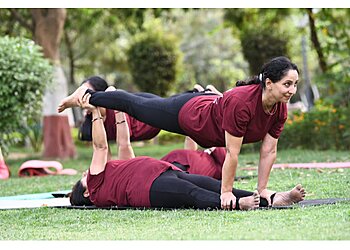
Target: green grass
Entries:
(328, 222)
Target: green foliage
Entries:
(262, 32)
(211, 54)
(154, 60)
(334, 35)
(324, 127)
(24, 74)
(165, 137)
(259, 47)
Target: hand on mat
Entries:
(228, 201)
(84, 102)
(266, 194)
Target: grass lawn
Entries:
(328, 222)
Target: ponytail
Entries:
(251, 81)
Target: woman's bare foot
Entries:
(72, 100)
(290, 197)
(198, 87)
(249, 202)
(213, 89)
(266, 194)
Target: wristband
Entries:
(97, 118)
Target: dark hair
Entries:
(85, 131)
(77, 197)
(275, 70)
(98, 83)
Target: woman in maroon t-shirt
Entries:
(144, 181)
(251, 113)
(206, 162)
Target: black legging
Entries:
(176, 189)
(158, 112)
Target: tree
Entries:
(108, 32)
(259, 48)
(211, 54)
(330, 34)
(153, 60)
(46, 28)
(261, 33)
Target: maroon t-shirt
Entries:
(139, 131)
(199, 161)
(239, 111)
(126, 182)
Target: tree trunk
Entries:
(48, 29)
(315, 41)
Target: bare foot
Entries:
(266, 194)
(290, 197)
(213, 89)
(72, 100)
(198, 87)
(249, 202)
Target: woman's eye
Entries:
(287, 84)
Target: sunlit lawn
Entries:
(327, 222)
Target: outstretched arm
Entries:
(233, 147)
(125, 151)
(268, 153)
(99, 138)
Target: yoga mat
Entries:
(315, 202)
(304, 203)
(57, 194)
(51, 202)
(307, 165)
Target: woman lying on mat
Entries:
(255, 111)
(147, 182)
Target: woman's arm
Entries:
(125, 151)
(233, 147)
(99, 138)
(268, 153)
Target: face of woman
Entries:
(285, 88)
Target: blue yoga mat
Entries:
(38, 196)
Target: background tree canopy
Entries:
(166, 51)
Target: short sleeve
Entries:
(236, 116)
(94, 182)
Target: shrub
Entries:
(324, 127)
(24, 73)
(153, 61)
(259, 47)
